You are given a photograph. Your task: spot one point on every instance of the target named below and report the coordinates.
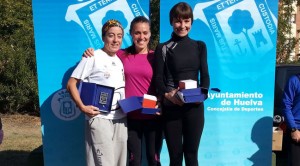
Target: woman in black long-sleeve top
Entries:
(183, 58)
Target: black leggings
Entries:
(293, 151)
(152, 132)
(183, 128)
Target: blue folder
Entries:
(97, 95)
(150, 111)
(135, 103)
(130, 104)
(191, 95)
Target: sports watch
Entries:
(293, 130)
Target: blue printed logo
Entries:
(63, 106)
(91, 15)
(243, 36)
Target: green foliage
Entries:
(286, 42)
(154, 17)
(18, 85)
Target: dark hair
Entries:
(138, 19)
(181, 10)
(111, 23)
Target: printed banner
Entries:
(241, 41)
(63, 30)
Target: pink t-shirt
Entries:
(138, 77)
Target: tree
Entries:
(154, 17)
(18, 86)
(286, 42)
(240, 22)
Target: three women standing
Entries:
(180, 58)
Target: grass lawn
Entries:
(22, 137)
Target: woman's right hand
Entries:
(171, 96)
(90, 110)
(88, 53)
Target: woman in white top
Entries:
(105, 133)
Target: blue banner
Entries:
(63, 30)
(241, 41)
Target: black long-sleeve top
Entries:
(185, 61)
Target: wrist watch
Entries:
(293, 130)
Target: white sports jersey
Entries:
(104, 70)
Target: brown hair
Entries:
(181, 10)
(111, 23)
(138, 19)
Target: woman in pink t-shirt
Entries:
(138, 67)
